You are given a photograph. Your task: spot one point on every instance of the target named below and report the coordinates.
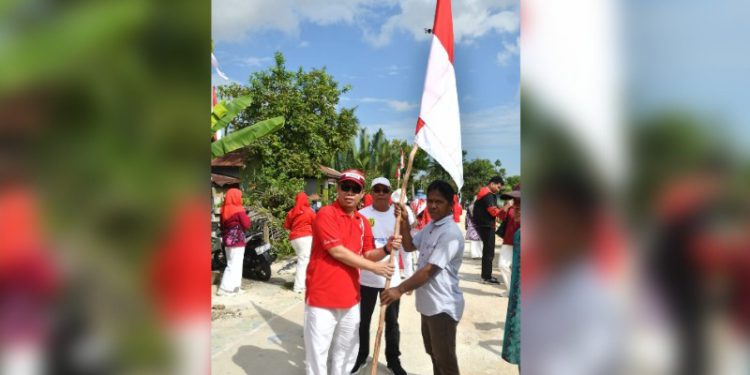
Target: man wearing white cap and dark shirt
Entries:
(382, 220)
(343, 244)
(439, 298)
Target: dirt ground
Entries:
(260, 332)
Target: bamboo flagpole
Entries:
(394, 263)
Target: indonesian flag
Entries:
(439, 126)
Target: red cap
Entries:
(353, 175)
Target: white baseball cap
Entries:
(381, 181)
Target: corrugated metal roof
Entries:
(232, 159)
(222, 180)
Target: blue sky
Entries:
(380, 49)
(694, 59)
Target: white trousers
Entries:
(191, 341)
(505, 260)
(331, 340)
(232, 278)
(302, 247)
(408, 262)
(476, 249)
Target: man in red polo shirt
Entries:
(342, 245)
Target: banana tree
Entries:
(222, 115)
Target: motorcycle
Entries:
(258, 256)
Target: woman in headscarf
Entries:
(299, 223)
(234, 222)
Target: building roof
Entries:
(330, 172)
(221, 180)
(232, 159)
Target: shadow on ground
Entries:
(488, 326)
(494, 346)
(287, 359)
(478, 292)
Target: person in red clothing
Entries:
(299, 223)
(234, 222)
(367, 201)
(423, 217)
(485, 213)
(180, 286)
(343, 244)
(30, 281)
(457, 211)
(512, 223)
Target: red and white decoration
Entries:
(439, 127)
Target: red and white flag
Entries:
(439, 126)
(215, 63)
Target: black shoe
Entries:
(358, 367)
(396, 368)
(491, 280)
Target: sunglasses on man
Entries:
(381, 190)
(356, 189)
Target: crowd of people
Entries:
(344, 263)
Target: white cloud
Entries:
(397, 105)
(235, 20)
(509, 51)
(252, 61)
(401, 106)
(304, 44)
(472, 19)
(395, 70)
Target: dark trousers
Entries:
(392, 334)
(439, 336)
(487, 234)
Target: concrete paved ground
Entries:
(260, 332)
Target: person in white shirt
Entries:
(382, 221)
(439, 298)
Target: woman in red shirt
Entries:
(234, 222)
(299, 223)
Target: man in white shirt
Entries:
(439, 298)
(382, 221)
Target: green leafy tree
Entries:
(316, 128)
(511, 181)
